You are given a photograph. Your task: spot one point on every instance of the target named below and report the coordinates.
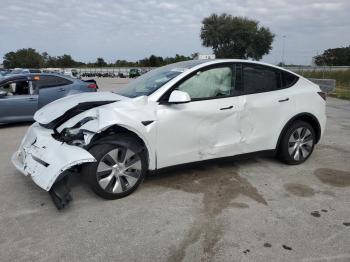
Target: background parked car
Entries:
(53, 70)
(134, 72)
(25, 71)
(72, 73)
(22, 95)
(2, 74)
(121, 75)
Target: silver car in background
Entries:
(22, 95)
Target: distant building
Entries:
(205, 57)
(1, 66)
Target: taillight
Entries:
(94, 86)
(323, 95)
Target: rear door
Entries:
(51, 88)
(269, 105)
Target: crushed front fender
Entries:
(44, 159)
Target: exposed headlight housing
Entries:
(74, 135)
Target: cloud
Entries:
(135, 29)
(168, 6)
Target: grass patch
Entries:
(342, 78)
(341, 92)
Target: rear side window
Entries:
(258, 79)
(35, 71)
(288, 79)
(51, 81)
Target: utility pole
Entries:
(283, 45)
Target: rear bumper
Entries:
(44, 159)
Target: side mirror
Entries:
(179, 97)
(2, 93)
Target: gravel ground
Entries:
(252, 209)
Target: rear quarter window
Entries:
(52, 81)
(288, 79)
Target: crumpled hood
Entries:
(57, 108)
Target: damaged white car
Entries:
(180, 113)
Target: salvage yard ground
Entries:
(252, 209)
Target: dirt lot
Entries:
(256, 209)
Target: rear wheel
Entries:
(119, 170)
(297, 143)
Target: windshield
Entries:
(148, 83)
(153, 80)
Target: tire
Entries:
(120, 168)
(297, 143)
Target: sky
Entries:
(132, 30)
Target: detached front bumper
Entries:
(44, 159)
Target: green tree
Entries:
(65, 61)
(45, 57)
(24, 58)
(29, 58)
(177, 58)
(51, 61)
(123, 63)
(236, 37)
(152, 61)
(100, 62)
(334, 57)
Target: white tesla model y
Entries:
(180, 113)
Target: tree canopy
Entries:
(30, 58)
(334, 57)
(154, 61)
(100, 62)
(236, 37)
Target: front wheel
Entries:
(297, 143)
(120, 168)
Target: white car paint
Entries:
(39, 144)
(179, 133)
(59, 106)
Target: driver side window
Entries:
(211, 83)
(20, 87)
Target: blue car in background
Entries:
(22, 95)
(18, 71)
(3, 73)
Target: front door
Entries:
(20, 103)
(208, 126)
